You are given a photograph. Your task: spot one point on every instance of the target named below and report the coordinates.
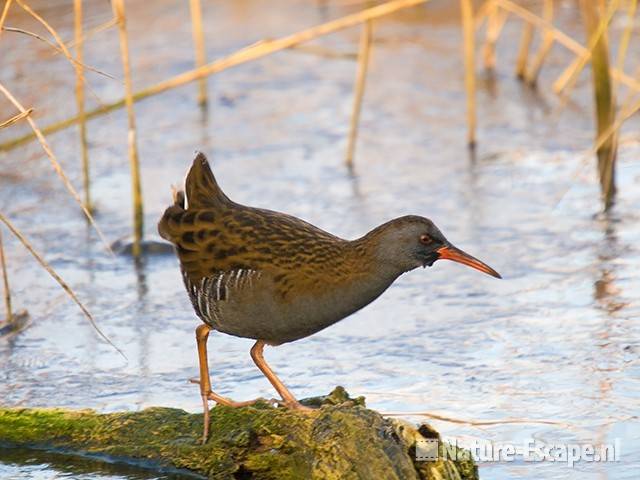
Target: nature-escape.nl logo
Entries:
(529, 451)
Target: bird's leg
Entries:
(288, 399)
(202, 334)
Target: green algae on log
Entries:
(340, 440)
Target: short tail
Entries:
(201, 188)
(200, 191)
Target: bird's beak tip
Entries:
(449, 252)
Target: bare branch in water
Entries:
(58, 279)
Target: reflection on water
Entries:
(606, 293)
(557, 340)
(41, 465)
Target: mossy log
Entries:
(340, 440)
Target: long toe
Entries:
(232, 403)
(295, 405)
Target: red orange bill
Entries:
(450, 252)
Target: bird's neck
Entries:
(374, 251)
(361, 278)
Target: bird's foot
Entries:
(211, 395)
(219, 399)
(293, 404)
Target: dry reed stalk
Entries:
(43, 263)
(496, 18)
(624, 115)
(54, 34)
(545, 46)
(198, 42)
(57, 49)
(73, 61)
(523, 51)
(5, 12)
(488, 49)
(482, 13)
(628, 112)
(361, 80)
(92, 31)
(5, 281)
(468, 31)
(56, 165)
(568, 78)
(562, 38)
(530, 17)
(136, 189)
(247, 54)
(604, 101)
(625, 79)
(84, 151)
(16, 118)
(626, 37)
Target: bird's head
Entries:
(412, 241)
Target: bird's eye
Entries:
(425, 239)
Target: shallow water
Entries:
(48, 465)
(556, 344)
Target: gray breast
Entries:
(245, 303)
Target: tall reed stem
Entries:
(5, 280)
(545, 45)
(198, 42)
(523, 51)
(496, 18)
(119, 13)
(569, 77)
(604, 100)
(626, 36)
(82, 123)
(361, 79)
(3, 15)
(468, 29)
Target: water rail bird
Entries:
(272, 277)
